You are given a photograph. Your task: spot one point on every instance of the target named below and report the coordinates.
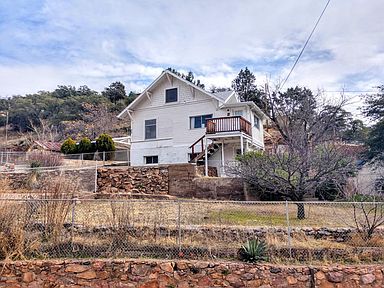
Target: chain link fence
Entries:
(21, 161)
(30, 182)
(50, 228)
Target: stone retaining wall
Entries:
(147, 180)
(183, 274)
(178, 180)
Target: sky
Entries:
(80, 42)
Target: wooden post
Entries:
(206, 156)
(222, 158)
(242, 144)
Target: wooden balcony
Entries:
(228, 124)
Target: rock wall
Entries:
(178, 180)
(136, 180)
(183, 274)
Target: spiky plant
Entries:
(253, 250)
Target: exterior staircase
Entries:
(199, 157)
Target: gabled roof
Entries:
(49, 146)
(153, 84)
(224, 95)
(251, 105)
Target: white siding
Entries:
(174, 136)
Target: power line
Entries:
(305, 44)
(350, 91)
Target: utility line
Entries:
(305, 45)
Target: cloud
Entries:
(46, 43)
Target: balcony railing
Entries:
(228, 124)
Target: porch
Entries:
(224, 138)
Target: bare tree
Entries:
(368, 205)
(96, 119)
(43, 131)
(309, 154)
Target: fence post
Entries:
(103, 158)
(95, 178)
(73, 222)
(288, 229)
(82, 158)
(179, 224)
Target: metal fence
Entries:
(31, 181)
(14, 161)
(332, 232)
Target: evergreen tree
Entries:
(375, 110)
(115, 92)
(244, 85)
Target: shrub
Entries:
(329, 191)
(254, 250)
(105, 143)
(86, 146)
(44, 159)
(69, 146)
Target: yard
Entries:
(192, 229)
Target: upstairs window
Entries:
(256, 122)
(238, 113)
(150, 129)
(171, 95)
(199, 121)
(151, 159)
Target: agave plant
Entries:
(254, 250)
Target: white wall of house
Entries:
(174, 134)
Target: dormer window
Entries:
(171, 95)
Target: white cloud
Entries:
(97, 42)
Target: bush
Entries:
(329, 191)
(105, 143)
(44, 159)
(69, 146)
(254, 250)
(86, 146)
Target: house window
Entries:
(238, 113)
(151, 159)
(171, 95)
(256, 122)
(199, 121)
(150, 129)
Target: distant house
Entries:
(45, 146)
(175, 121)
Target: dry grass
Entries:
(15, 243)
(358, 241)
(302, 241)
(4, 185)
(218, 214)
(55, 212)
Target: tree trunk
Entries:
(300, 211)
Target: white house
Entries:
(175, 121)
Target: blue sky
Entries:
(77, 42)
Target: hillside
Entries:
(64, 112)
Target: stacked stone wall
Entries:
(183, 274)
